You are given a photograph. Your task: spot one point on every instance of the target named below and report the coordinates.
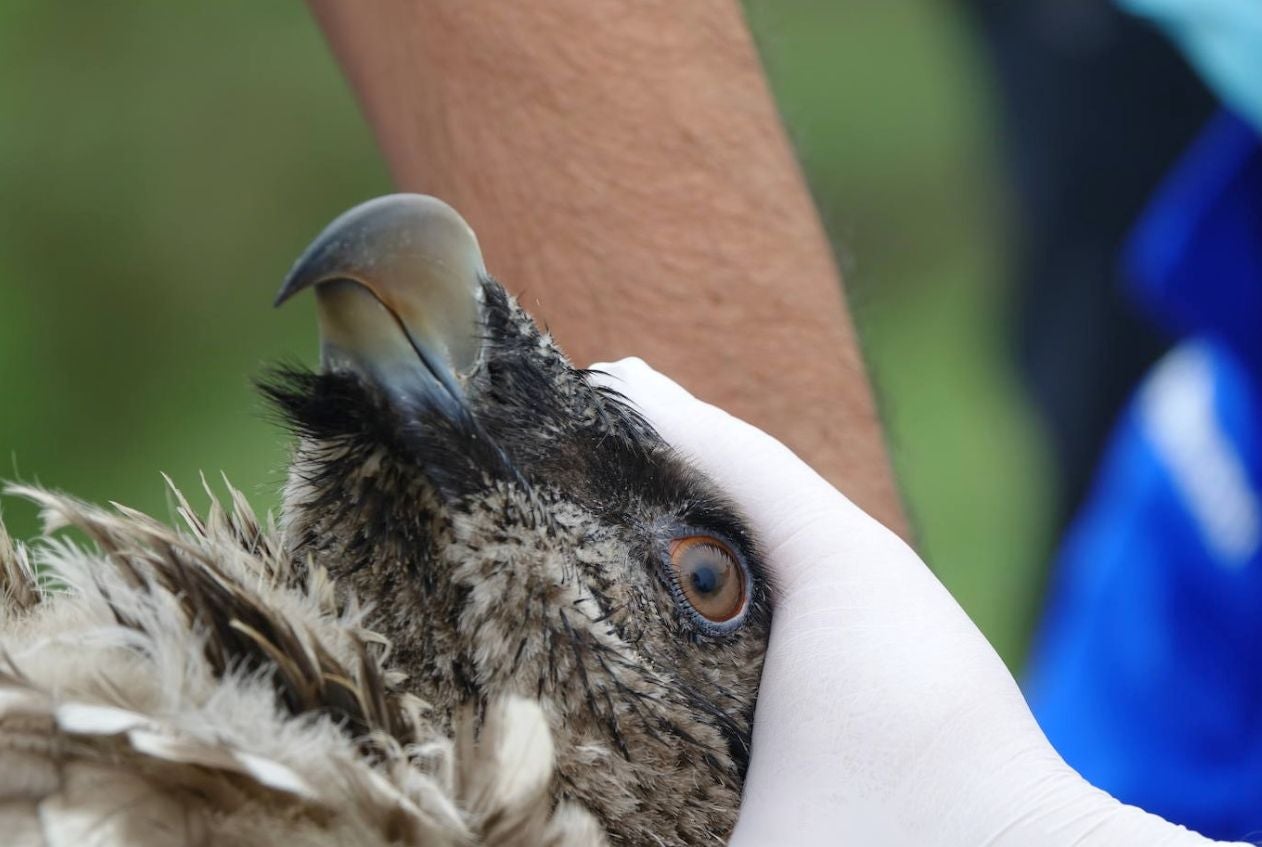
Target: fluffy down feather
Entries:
(190, 686)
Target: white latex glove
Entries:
(884, 717)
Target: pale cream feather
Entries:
(128, 717)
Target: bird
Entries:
(494, 608)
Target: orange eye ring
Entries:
(710, 579)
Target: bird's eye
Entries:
(710, 578)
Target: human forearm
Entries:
(628, 173)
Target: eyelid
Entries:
(689, 541)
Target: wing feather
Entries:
(192, 686)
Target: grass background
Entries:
(162, 164)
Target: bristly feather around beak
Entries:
(398, 282)
(527, 544)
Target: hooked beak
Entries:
(398, 283)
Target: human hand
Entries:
(884, 716)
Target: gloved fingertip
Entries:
(623, 368)
(636, 379)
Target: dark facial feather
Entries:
(519, 548)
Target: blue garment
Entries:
(1147, 670)
(1222, 39)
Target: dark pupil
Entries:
(706, 578)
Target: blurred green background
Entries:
(162, 164)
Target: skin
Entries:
(513, 527)
(629, 175)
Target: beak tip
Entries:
(287, 289)
(306, 272)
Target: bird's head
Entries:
(518, 529)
